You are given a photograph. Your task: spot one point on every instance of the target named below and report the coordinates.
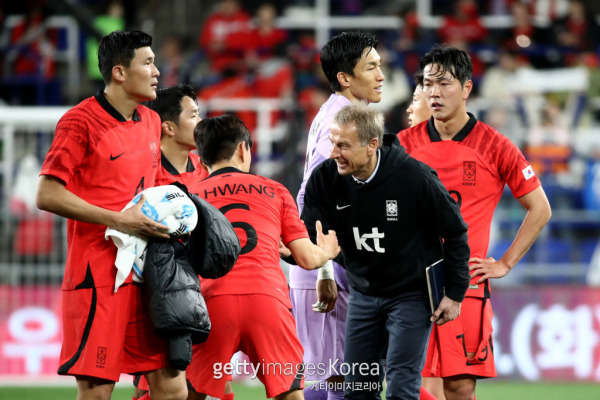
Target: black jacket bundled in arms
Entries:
(391, 228)
(171, 270)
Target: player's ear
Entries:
(343, 79)
(241, 150)
(168, 128)
(468, 86)
(118, 73)
(373, 145)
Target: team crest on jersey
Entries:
(391, 210)
(469, 172)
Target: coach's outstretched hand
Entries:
(329, 242)
(134, 222)
(446, 311)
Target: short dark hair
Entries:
(342, 53)
(218, 137)
(168, 101)
(118, 47)
(457, 62)
(419, 78)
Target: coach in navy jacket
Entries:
(393, 218)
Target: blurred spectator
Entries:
(173, 66)
(232, 86)
(497, 82)
(223, 36)
(34, 232)
(578, 29)
(464, 24)
(28, 58)
(32, 45)
(409, 42)
(113, 20)
(498, 88)
(548, 144)
(527, 39)
(305, 58)
(266, 43)
(265, 39)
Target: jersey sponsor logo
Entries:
(338, 207)
(361, 240)
(469, 173)
(113, 158)
(528, 172)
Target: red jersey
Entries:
(106, 161)
(262, 211)
(168, 174)
(474, 166)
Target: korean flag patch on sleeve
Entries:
(528, 172)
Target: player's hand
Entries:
(487, 268)
(284, 252)
(326, 296)
(134, 222)
(329, 242)
(446, 311)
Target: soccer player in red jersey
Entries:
(178, 111)
(105, 151)
(177, 108)
(474, 162)
(250, 307)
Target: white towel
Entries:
(166, 204)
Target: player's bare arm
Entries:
(446, 311)
(311, 256)
(538, 214)
(53, 196)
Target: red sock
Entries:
(228, 396)
(145, 397)
(425, 395)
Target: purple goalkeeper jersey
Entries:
(318, 148)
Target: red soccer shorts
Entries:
(264, 329)
(470, 332)
(106, 333)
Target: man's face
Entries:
(446, 97)
(141, 77)
(418, 111)
(188, 119)
(351, 156)
(366, 84)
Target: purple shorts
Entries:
(321, 335)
